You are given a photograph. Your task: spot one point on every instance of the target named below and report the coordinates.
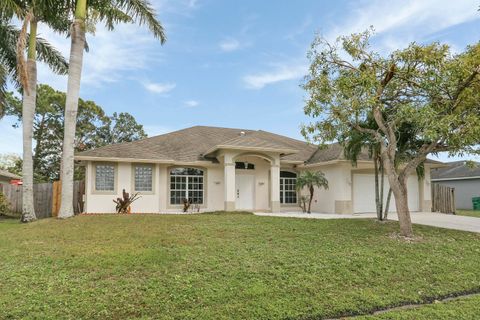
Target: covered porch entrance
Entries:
(252, 182)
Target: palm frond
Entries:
(142, 12)
(51, 56)
(109, 14)
(54, 13)
(45, 51)
(312, 179)
(10, 8)
(8, 59)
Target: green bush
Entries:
(4, 205)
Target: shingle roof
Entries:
(4, 173)
(456, 169)
(183, 145)
(196, 144)
(334, 151)
(253, 140)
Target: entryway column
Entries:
(229, 177)
(275, 187)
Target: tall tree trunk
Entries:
(28, 113)
(399, 189)
(71, 107)
(38, 144)
(387, 204)
(398, 184)
(382, 186)
(311, 199)
(377, 193)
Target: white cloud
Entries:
(192, 3)
(403, 21)
(160, 88)
(111, 54)
(396, 22)
(301, 29)
(229, 45)
(191, 103)
(277, 74)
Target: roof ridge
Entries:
(283, 137)
(215, 127)
(235, 138)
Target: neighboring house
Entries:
(231, 169)
(465, 180)
(6, 177)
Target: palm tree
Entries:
(356, 142)
(30, 12)
(310, 180)
(9, 35)
(111, 12)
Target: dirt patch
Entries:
(397, 236)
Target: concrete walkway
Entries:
(440, 220)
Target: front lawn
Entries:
(465, 308)
(225, 266)
(469, 213)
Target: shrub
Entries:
(4, 205)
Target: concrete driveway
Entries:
(440, 220)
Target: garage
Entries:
(364, 193)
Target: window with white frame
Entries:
(105, 177)
(143, 177)
(186, 183)
(288, 189)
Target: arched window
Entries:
(186, 183)
(288, 190)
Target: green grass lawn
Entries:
(470, 213)
(225, 266)
(467, 308)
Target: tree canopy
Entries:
(427, 87)
(46, 53)
(94, 129)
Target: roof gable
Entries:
(6, 174)
(455, 170)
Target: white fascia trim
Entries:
(114, 159)
(135, 160)
(459, 178)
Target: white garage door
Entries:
(364, 193)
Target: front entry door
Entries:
(244, 188)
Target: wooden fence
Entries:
(46, 198)
(443, 199)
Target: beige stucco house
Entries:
(231, 169)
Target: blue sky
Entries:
(239, 63)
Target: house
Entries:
(464, 179)
(231, 169)
(6, 177)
